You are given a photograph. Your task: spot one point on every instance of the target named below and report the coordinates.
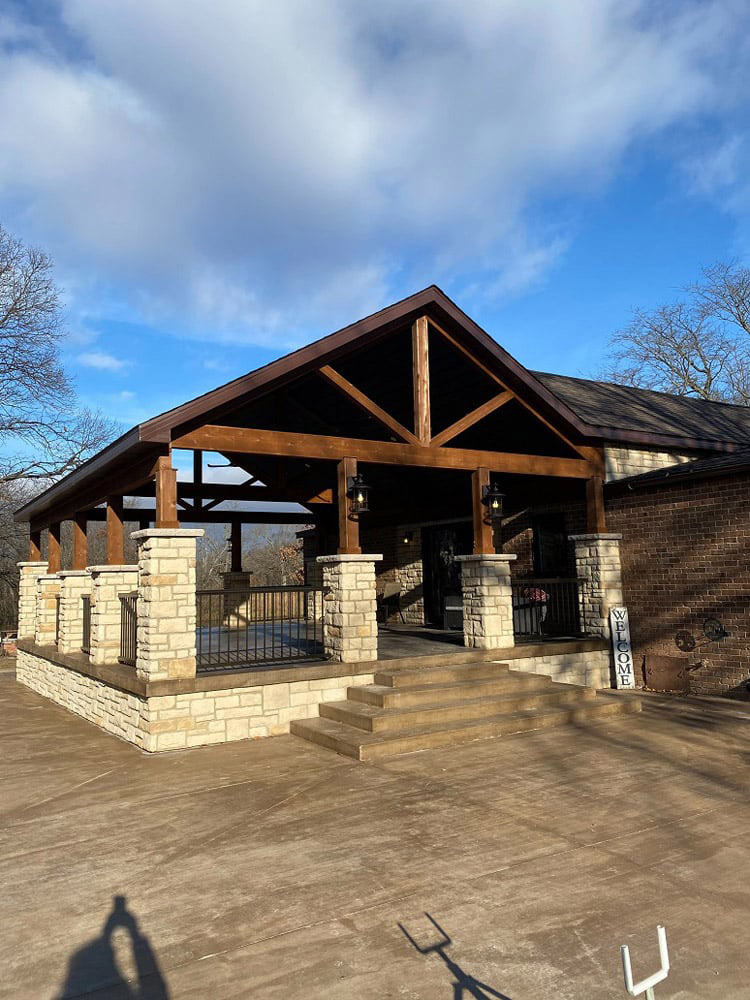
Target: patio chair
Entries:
(389, 599)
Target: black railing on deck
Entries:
(547, 606)
(128, 626)
(86, 623)
(257, 625)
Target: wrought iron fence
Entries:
(258, 625)
(548, 606)
(86, 623)
(128, 626)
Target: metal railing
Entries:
(547, 606)
(128, 627)
(86, 624)
(257, 625)
(57, 618)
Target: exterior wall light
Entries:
(359, 495)
(408, 537)
(493, 500)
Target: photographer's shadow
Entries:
(94, 968)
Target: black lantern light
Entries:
(493, 500)
(358, 494)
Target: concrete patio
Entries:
(275, 869)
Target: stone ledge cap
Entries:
(32, 563)
(603, 537)
(73, 572)
(49, 576)
(350, 557)
(488, 557)
(127, 568)
(168, 533)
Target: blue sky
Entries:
(221, 183)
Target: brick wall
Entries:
(684, 558)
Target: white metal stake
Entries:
(646, 985)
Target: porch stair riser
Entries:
(425, 707)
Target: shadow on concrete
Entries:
(464, 985)
(93, 970)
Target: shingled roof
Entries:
(631, 410)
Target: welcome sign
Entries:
(623, 653)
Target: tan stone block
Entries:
(238, 729)
(275, 696)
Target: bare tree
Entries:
(696, 347)
(43, 434)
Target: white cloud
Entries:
(103, 361)
(251, 168)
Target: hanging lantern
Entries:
(493, 500)
(359, 495)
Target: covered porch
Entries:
(383, 441)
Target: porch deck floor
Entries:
(277, 869)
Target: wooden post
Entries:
(596, 522)
(483, 543)
(80, 542)
(53, 553)
(166, 493)
(35, 546)
(348, 523)
(421, 370)
(236, 547)
(197, 476)
(115, 541)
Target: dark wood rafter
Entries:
(80, 541)
(471, 418)
(115, 531)
(421, 374)
(348, 522)
(35, 546)
(313, 446)
(53, 548)
(145, 517)
(166, 494)
(483, 535)
(236, 547)
(366, 404)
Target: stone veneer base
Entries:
(220, 708)
(233, 710)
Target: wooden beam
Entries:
(421, 372)
(35, 546)
(198, 472)
(260, 442)
(596, 521)
(166, 494)
(236, 544)
(144, 517)
(365, 403)
(80, 542)
(483, 541)
(471, 418)
(115, 536)
(348, 522)
(53, 547)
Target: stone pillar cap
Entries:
(42, 562)
(168, 533)
(596, 537)
(74, 572)
(350, 557)
(488, 557)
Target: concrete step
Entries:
(449, 671)
(371, 718)
(360, 745)
(383, 696)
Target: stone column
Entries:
(166, 602)
(47, 593)
(236, 583)
(597, 559)
(74, 583)
(27, 586)
(350, 628)
(487, 600)
(107, 583)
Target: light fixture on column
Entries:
(408, 537)
(493, 500)
(358, 494)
